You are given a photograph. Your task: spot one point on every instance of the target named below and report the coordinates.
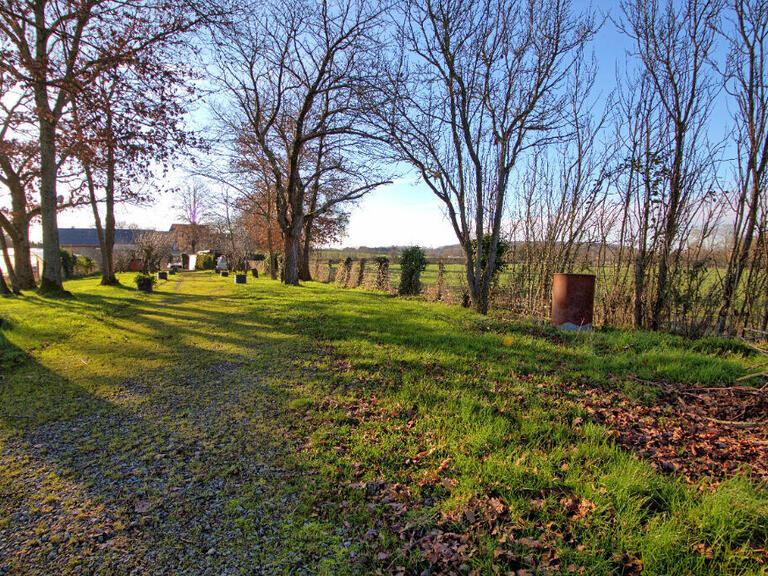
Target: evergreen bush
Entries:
(412, 264)
(382, 274)
(205, 262)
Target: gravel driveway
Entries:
(180, 471)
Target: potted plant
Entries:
(144, 282)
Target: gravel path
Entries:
(179, 472)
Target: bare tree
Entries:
(555, 206)
(746, 82)
(639, 182)
(673, 45)
(329, 187)
(194, 209)
(249, 194)
(154, 249)
(237, 242)
(4, 290)
(476, 85)
(296, 72)
(47, 41)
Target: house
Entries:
(85, 241)
(192, 238)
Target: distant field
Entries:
(520, 298)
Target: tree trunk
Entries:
(8, 265)
(481, 304)
(22, 263)
(273, 266)
(730, 284)
(738, 261)
(639, 287)
(50, 280)
(660, 299)
(17, 226)
(305, 274)
(271, 242)
(106, 235)
(478, 294)
(291, 263)
(19, 222)
(291, 258)
(670, 232)
(108, 271)
(4, 291)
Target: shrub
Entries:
(344, 273)
(142, 280)
(122, 260)
(205, 262)
(84, 266)
(382, 274)
(360, 276)
(68, 261)
(412, 264)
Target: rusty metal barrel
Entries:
(573, 301)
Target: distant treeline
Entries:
(448, 254)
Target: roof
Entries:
(90, 237)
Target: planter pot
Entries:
(162, 275)
(573, 297)
(254, 273)
(224, 273)
(145, 285)
(240, 278)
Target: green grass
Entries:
(456, 407)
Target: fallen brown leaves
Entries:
(448, 545)
(694, 432)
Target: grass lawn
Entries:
(214, 428)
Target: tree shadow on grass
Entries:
(177, 471)
(409, 329)
(155, 470)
